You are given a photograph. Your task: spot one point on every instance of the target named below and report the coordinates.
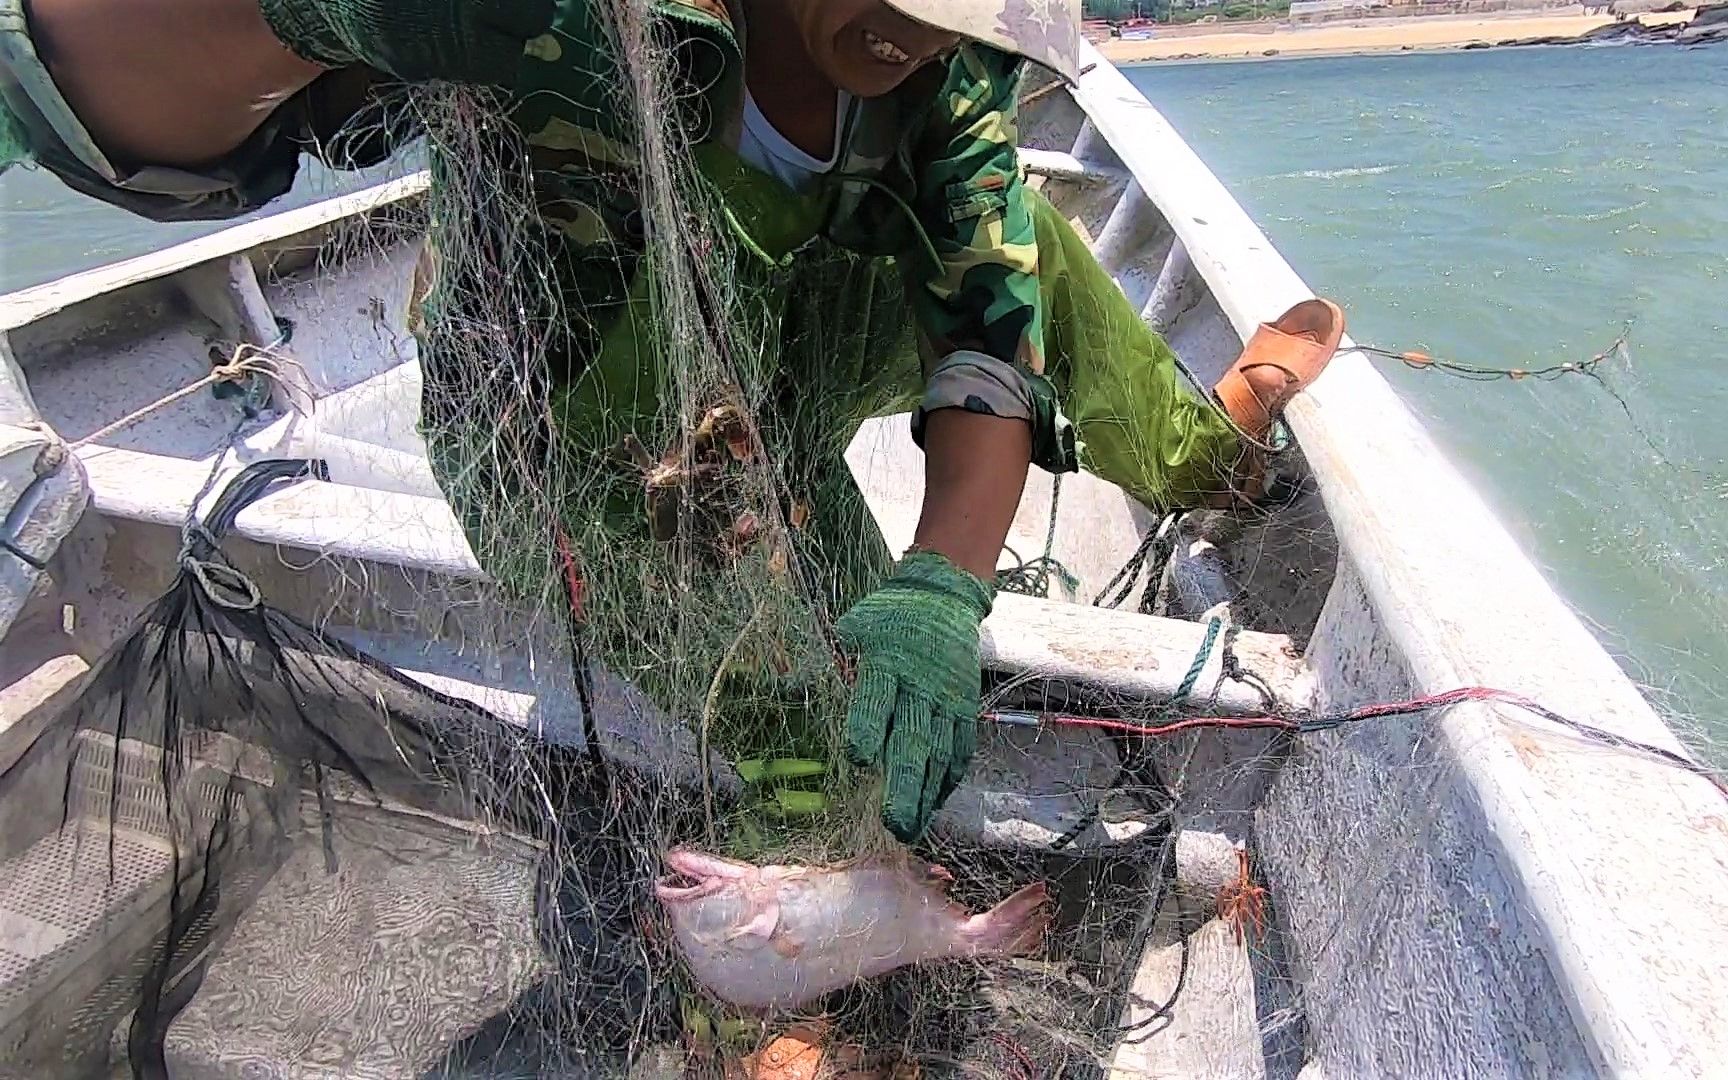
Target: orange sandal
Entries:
(1298, 346)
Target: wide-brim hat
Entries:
(1046, 32)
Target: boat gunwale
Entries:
(1434, 560)
(32, 304)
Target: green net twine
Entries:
(14, 149)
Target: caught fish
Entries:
(780, 936)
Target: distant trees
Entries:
(1182, 11)
(1126, 9)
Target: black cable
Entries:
(1141, 1030)
(585, 690)
(251, 484)
(1157, 546)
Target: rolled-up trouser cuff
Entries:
(984, 384)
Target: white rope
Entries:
(247, 360)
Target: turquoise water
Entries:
(1509, 208)
(47, 232)
(1515, 208)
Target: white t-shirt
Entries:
(764, 147)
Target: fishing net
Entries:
(265, 850)
(256, 844)
(222, 751)
(1643, 582)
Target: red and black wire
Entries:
(1307, 725)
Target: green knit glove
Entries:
(915, 708)
(469, 41)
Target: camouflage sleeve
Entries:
(979, 310)
(14, 141)
(38, 125)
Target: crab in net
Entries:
(1242, 902)
(691, 476)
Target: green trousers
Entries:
(1139, 425)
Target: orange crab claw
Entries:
(1242, 903)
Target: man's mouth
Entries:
(884, 50)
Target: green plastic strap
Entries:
(1200, 658)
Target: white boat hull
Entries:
(1474, 893)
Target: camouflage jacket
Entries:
(928, 174)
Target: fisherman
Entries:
(878, 128)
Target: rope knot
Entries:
(224, 585)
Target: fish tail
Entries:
(1015, 927)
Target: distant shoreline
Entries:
(1372, 37)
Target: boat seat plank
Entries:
(334, 519)
(1131, 659)
(1212, 1029)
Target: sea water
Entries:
(1517, 208)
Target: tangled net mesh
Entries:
(373, 877)
(314, 865)
(705, 606)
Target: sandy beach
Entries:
(1364, 36)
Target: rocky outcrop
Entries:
(1708, 25)
(1715, 15)
(1615, 32)
(1545, 39)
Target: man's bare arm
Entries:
(166, 82)
(974, 469)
